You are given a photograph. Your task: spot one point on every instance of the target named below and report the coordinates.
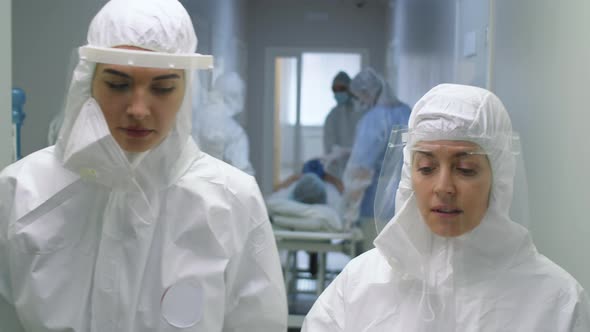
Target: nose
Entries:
(138, 107)
(445, 184)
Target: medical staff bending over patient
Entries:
(452, 259)
(361, 174)
(124, 224)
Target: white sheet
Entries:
(289, 214)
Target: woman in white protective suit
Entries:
(124, 225)
(452, 259)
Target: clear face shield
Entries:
(450, 210)
(144, 95)
(125, 103)
(395, 181)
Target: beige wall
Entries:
(541, 72)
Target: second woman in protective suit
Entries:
(452, 258)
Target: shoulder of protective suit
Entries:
(556, 280)
(40, 173)
(35, 178)
(208, 174)
(15, 168)
(370, 267)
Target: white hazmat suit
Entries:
(215, 127)
(487, 280)
(93, 238)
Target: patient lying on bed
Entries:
(307, 201)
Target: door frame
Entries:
(268, 119)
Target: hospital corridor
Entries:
(294, 165)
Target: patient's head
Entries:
(310, 189)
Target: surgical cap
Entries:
(157, 25)
(310, 189)
(367, 84)
(314, 166)
(341, 78)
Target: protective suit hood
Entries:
(367, 86)
(230, 90)
(85, 137)
(454, 112)
(371, 88)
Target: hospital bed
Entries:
(313, 228)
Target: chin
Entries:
(448, 231)
(135, 148)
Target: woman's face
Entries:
(139, 104)
(452, 182)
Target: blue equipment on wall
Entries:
(18, 115)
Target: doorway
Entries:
(301, 100)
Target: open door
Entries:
(302, 98)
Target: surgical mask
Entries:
(341, 97)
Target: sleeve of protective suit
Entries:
(328, 313)
(581, 320)
(256, 298)
(9, 321)
(329, 133)
(356, 181)
(54, 127)
(361, 166)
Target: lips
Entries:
(137, 131)
(446, 210)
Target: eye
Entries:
(163, 90)
(467, 171)
(118, 87)
(425, 170)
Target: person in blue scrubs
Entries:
(385, 113)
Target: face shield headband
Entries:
(139, 58)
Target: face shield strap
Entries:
(488, 145)
(430, 150)
(136, 58)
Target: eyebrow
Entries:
(157, 78)
(426, 153)
(166, 77)
(456, 155)
(116, 72)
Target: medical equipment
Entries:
(18, 117)
(311, 228)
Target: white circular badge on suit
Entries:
(182, 304)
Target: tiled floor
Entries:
(302, 297)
